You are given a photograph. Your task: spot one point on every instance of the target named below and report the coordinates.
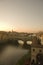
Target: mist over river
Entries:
(11, 54)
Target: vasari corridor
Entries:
(21, 32)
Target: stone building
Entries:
(35, 49)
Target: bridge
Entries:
(23, 38)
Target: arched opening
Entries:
(20, 42)
(29, 42)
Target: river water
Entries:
(10, 55)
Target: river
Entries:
(10, 55)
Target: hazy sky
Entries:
(21, 15)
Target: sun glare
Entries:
(4, 26)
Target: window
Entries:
(33, 49)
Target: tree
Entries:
(13, 42)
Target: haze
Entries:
(21, 15)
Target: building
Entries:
(35, 49)
(41, 37)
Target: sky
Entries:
(21, 15)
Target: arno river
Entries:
(10, 55)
